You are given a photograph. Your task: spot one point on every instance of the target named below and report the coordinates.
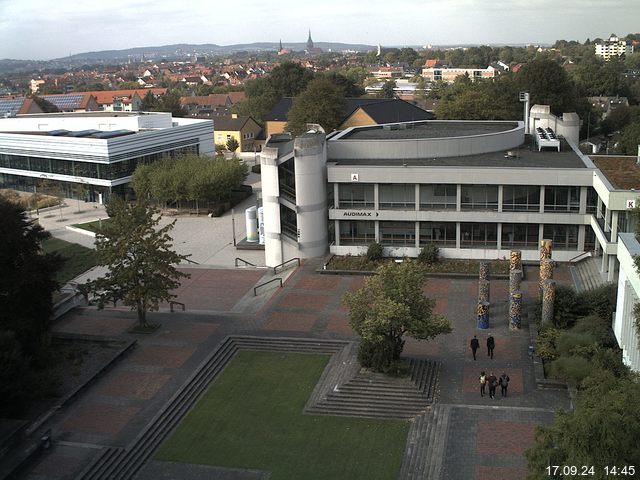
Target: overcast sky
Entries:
(46, 29)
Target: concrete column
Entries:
(583, 200)
(483, 315)
(336, 228)
(599, 207)
(336, 195)
(548, 300)
(607, 220)
(605, 261)
(515, 310)
(376, 204)
(541, 203)
(311, 195)
(581, 237)
(612, 268)
(458, 198)
(377, 230)
(417, 197)
(500, 197)
(614, 225)
(540, 233)
(417, 231)
(499, 236)
(271, 204)
(458, 233)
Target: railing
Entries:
(283, 264)
(583, 255)
(238, 259)
(191, 261)
(255, 289)
(172, 303)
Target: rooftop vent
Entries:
(511, 154)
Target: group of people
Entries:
(491, 380)
(475, 345)
(493, 383)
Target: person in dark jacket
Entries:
(504, 383)
(493, 383)
(491, 344)
(475, 345)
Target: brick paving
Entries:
(484, 438)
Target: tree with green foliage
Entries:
(629, 139)
(149, 102)
(45, 105)
(388, 89)
(232, 144)
(602, 431)
(548, 84)
(389, 306)
(140, 261)
(321, 102)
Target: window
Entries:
(289, 222)
(397, 196)
(442, 234)
(520, 198)
(355, 195)
(287, 180)
(565, 237)
(478, 235)
(438, 197)
(592, 200)
(524, 235)
(562, 199)
(398, 233)
(355, 232)
(479, 197)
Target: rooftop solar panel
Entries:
(10, 105)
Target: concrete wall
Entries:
(628, 293)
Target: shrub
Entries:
(429, 254)
(598, 327)
(375, 252)
(572, 369)
(546, 343)
(571, 343)
(566, 307)
(600, 301)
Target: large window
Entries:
(565, 237)
(479, 197)
(523, 235)
(438, 197)
(397, 196)
(478, 235)
(442, 234)
(362, 232)
(355, 195)
(562, 199)
(289, 222)
(287, 180)
(398, 233)
(592, 200)
(520, 198)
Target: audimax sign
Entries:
(355, 213)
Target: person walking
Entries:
(491, 344)
(504, 383)
(493, 383)
(483, 383)
(475, 345)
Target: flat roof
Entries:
(525, 156)
(428, 129)
(622, 172)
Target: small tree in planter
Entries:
(375, 252)
(429, 254)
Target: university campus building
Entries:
(476, 189)
(97, 151)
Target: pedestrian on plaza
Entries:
(475, 345)
(483, 383)
(504, 383)
(491, 344)
(493, 383)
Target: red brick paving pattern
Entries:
(502, 473)
(134, 384)
(319, 282)
(470, 379)
(95, 324)
(296, 322)
(441, 305)
(504, 438)
(99, 419)
(421, 348)
(57, 466)
(161, 356)
(437, 287)
(300, 300)
(339, 324)
(189, 332)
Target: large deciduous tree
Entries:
(548, 84)
(389, 306)
(322, 102)
(139, 257)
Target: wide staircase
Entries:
(586, 274)
(370, 394)
(426, 443)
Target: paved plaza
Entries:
(485, 438)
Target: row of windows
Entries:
(110, 171)
(472, 235)
(515, 198)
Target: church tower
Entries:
(309, 42)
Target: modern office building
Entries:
(97, 151)
(614, 47)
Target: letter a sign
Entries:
(354, 177)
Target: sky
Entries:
(47, 29)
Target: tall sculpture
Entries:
(483, 315)
(548, 299)
(515, 310)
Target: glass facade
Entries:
(562, 199)
(289, 222)
(397, 196)
(287, 180)
(438, 197)
(355, 195)
(442, 234)
(520, 198)
(478, 235)
(357, 232)
(398, 234)
(479, 197)
(565, 237)
(520, 235)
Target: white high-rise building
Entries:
(614, 47)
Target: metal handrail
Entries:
(579, 257)
(285, 263)
(172, 303)
(255, 289)
(243, 261)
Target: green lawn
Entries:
(77, 259)
(251, 417)
(93, 226)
